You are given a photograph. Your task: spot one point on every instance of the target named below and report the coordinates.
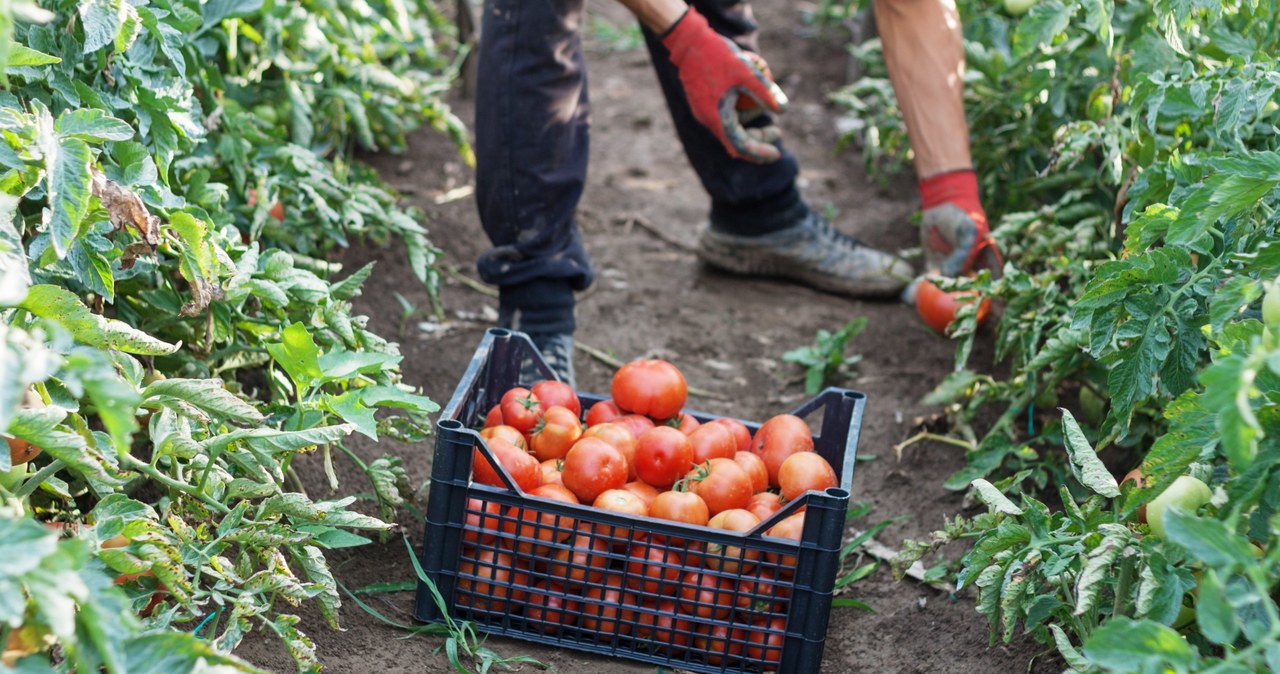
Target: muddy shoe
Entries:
(811, 252)
(557, 350)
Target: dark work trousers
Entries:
(532, 140)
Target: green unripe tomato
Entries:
(1018, 7)
(1186, 493)
(1271, 306)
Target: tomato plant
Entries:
(938, 307)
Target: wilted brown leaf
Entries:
(125, 207)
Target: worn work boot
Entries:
(811, 252)
(556, 348)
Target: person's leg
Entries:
(924, 52)
(531, 141)
(759, 223)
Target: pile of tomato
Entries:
(638, 454)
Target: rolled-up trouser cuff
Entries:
(538, 306)
(761, 217)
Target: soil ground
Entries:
(727, 334)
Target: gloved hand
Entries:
(953, 229)
(715, 73)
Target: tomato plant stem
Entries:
(33, 483)
(145, 468)
(1124, 581)
(936, 437)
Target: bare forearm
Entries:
(656, 15)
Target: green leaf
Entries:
(393, 396)
(1098, 569)
(101, 22)
(1232, 298)
(40, 428)
(1085, 464)
(333, 539)
(165, 652)
(215, 11)
(953, 388)
(1207, 539)
(68, 192)
(317, 571)
(63, 307)
(1044, 22)
(342, 364)
(353, 411)
(1214, 615)
(21, 55)
(117, 403)
(298, 354)
(1128, 646)
(350, 286)
(996, 501)
(206, 394)
(92, 125)
(24, 543)
(1069, 653)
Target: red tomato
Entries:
(680, 506)
(645, 491)
(720, 641)
(548, 609)
(938, 308)
(486, 580)
(804, 471)
(663, 455)
(494, 417)
(652, 387)
(621, 438)
(521, 409)
(765, 504)
(581, 563)
(522, 467)
(603, 412)
(621, 501)
(601, 607)
(551, 471)
(685, 423)
(536, 528)
(792, 527)
(482, 521)
(638, 424)
(592, 467)
(755, 469)
(731, 559)
(706, 595)
(712, 441)
(741, 434)
(764, 641)
(508, 433)
(660, 623)
(764, 592)
(721, 483)
(552, 393)
(555, 433)
(778, 438)
(653, 568)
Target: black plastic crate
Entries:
(667, 593)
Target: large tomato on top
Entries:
(779, 438)
(652, 387)
(521, 409)
(721, 483)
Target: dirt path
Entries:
(725, 333)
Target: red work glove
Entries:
(953, 229)
(714, 73)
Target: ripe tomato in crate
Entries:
(551, 571)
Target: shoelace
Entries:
(827, 231)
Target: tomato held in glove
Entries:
(938, 308)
